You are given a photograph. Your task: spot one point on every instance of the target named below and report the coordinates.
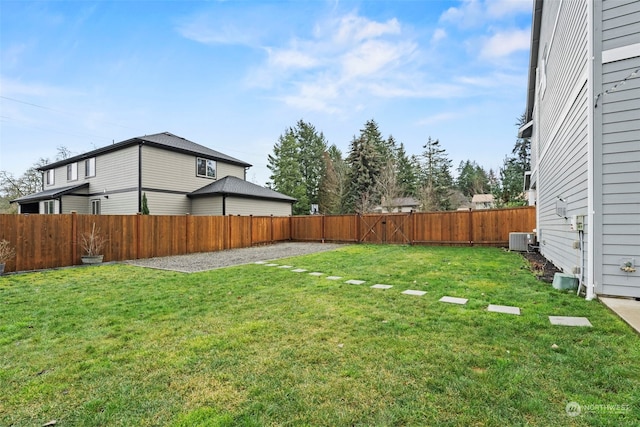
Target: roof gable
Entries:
(164, 140)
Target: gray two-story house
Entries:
(583, 118)
(176, 175)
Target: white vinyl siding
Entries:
(239, 206)
(78, 204)
(124, 203)
(562, 130)
(621, 175)
(168, 170)
(227, 169)
(620, 23)
(256, 207)
(167, 203)
(206, 206)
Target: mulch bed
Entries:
(542, 267)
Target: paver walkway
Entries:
(505, 309)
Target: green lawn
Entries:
(119, 345)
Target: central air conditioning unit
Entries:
(520, 241)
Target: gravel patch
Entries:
(193, 263)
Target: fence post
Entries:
(250, 230)
(271, 235)
(470, 227)
(290, 227)
(357, 218)
(411, 228)
(187, 241)
(74, 237)
(137, 235)
(322, 228)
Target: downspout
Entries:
(224, 204)
(590, 282)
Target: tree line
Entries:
(378, 173)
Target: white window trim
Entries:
(49, 207)
(215, 168)
(73, 167)
(50, 177)
(94, 203)
(92, 167)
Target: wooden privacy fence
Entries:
(49, 241)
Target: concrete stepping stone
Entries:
(569, 321)
(271, 265)
(379, 286)
(355, 282)
(334, 277)
(454, 300)
(286, 266)
(412, 292)
(260, 262)
(507, 309)
(299, 270)
(316, 273)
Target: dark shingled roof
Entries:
(50, 194)
(232, 186)
(164, 140)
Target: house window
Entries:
(95, 207)
(49, 206)
(72, 172)
(49, 176)
(90, 167)
(206, 167)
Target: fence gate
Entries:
(382, 228)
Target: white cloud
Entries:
(291, 58)
(438, 35)
(373, 56)
(505, 43)
(16, 88)
(352, 28)
(469, 14)
(438, 118)
(474, 13)
(345, 58)
(500, 8)
(221, 27)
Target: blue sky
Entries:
(234, 75)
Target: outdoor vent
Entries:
(520, 241)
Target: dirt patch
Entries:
(541, 267)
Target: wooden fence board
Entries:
(47, 241)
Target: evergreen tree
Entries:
(145, 205)
(436, 179)
(334, 185)
(365, 161)
(408, 172)
(286, 175)
(312, 145)
(510, 191)
(472, 179)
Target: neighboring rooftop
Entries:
(233, 186)
(164, 140)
